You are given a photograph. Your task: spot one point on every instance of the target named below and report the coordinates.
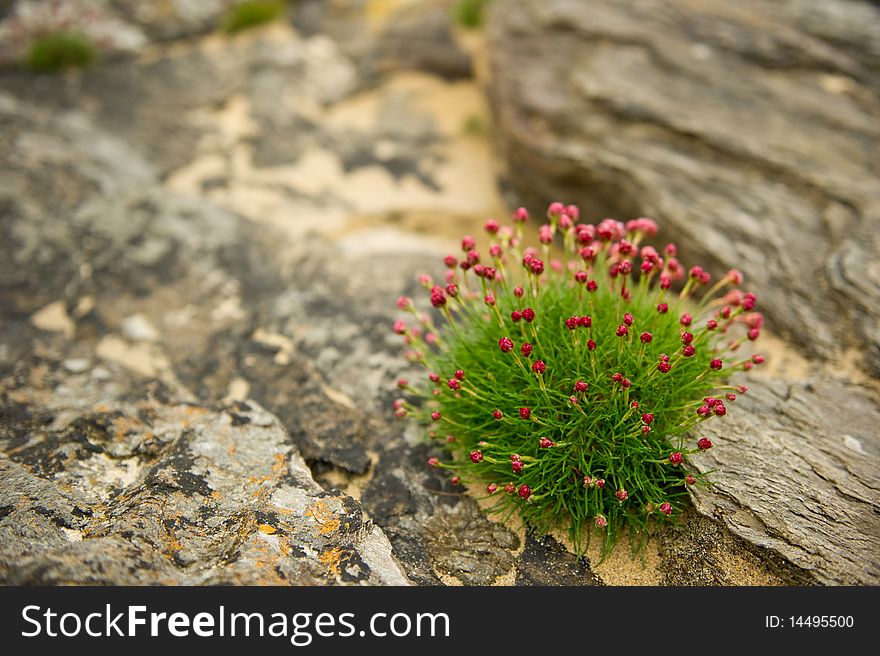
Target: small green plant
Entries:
(469, 13)
(570, 391)
(252, 13)
(61, 50)
(473, 126)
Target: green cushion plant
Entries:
(572, 390)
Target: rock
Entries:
(137, 328)
(797, 475)
(416, 35)
(98, 489)
(748, 131)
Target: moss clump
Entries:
(61, 50)
(252, 13)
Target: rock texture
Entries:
(797, 473)
(748, 129)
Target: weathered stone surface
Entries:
(415, 35)
(103, 483)
(797, 474)
(748, 129)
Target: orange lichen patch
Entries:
(231, 450)
(257, 480)
(125, 425)
(215, 494)
(196, 411)
(332, 558)
(102, 408)
(325, 519)
(280, 465)
(284, 547)
(267, 529)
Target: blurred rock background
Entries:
(202, 234)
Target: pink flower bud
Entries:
(662, 308)
(675, 458)
(704, 443)
(491, 488)
(666, 508)
(573, 400)
(711, 324)
(539, 367)
(468, 243)
(545, 234)
(720, 409)
(622, 330)
(648, 417)
(585, 321)
(476, 456)
(450, 261)
(518, 292)
(704, 411)
(489, 300)
(505, 344)
(686, 320)
(622, 494)
(497, 414)
(581, 386)
(716, 364)
(601, 522)
(687, 338)
(581, 277)
(516, 466)
(491, 226)
(435, 416)
(758, 358)
(433, 462)
(587, 481)
(525, 413)
(688, 351)
(545, 443)
(528, 314)
(521, 215)
(526, 349)
(453, 384)
(525, 491)
(510, 488)
(600, 483)
(690, 480)
(646, 337)
(555, 209)
(628, 319)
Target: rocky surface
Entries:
(200, 248)
(749, 129)
(797, 473)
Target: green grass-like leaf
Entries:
(600, 433)
(469, 13)
(61, 50)
(252, 13)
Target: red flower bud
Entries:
(545, 443)
(647, 417)
(622, 494)
(716, 364)
(688, 351)
(506, 344)
(497, 414)
(601, 522)
(686, 320)
(690, 480)
(666, 508)
(476, 456)
(646, 337)
(581, 386)
(704, 443)
(525, 413)
(491, 488)
(675, 458)
(525, 491)
(539, 367)
(435, 416)
(662, 308)
(528, 314)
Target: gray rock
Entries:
(150, 490)
(748, 131)
(797, 474)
